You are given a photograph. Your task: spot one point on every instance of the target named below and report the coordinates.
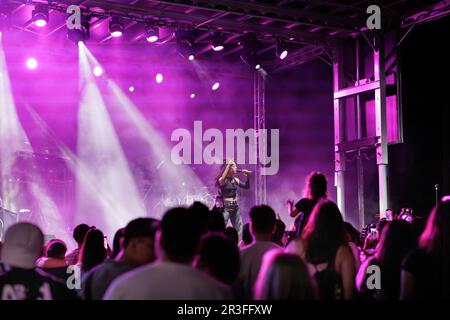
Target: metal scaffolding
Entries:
(259, 124)
(375, 85)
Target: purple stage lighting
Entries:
(116, 27)
(159, 78)
(40, 16)
(281, 50)
(152, 34)
(215, 86)
(192, 95)
(218, 41)
(131, 89)
(32, 63)
(98, 71)
(191, 57)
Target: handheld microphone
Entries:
(243, 170)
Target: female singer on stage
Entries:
(227, 183)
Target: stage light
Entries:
(40, 15)
(185, 44)
(116, 27)
(159, 78)
(31, 63)
(98, 71)
(82, 34)
(192, 96)
(131, 89)
(215, 86)
(248, 54)
(218, 41)
(281, 50)
(152, 34)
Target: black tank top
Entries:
(229, 187)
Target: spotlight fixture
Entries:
(151, 33)
(185, 43)
(281, 50)
(116, 27)
(248, 54)
(218, 40)
(82, 34)
(40, 15)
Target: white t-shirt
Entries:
(165, 280)
(251, 259)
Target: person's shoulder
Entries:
(414, 259)
(126, 282)
(217, 289)
(296, 246)
(344, 251)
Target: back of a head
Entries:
(283, 276)
(79, 233)
(232, 234)
(324, 233)
(140, 228)
(397, 240)
(280, 227)
(353, 235)
(179, 236)
(200, 213)
(93, 251)
(247, 237)
(117, 242)
(56, 249)
(381, 225)
(263, 219)
(216, 221)
(316, 185)
(22, 246)
(435, 239)
(221, 257)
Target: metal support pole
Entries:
(381, 129)
(359, 160)
(339, 154)
(259, 124)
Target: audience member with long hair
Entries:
(397, 240)
(316, 188)
(324, 247)
(426, 270)
(93, 251)
(283, 276)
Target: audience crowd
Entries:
(190, 254)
